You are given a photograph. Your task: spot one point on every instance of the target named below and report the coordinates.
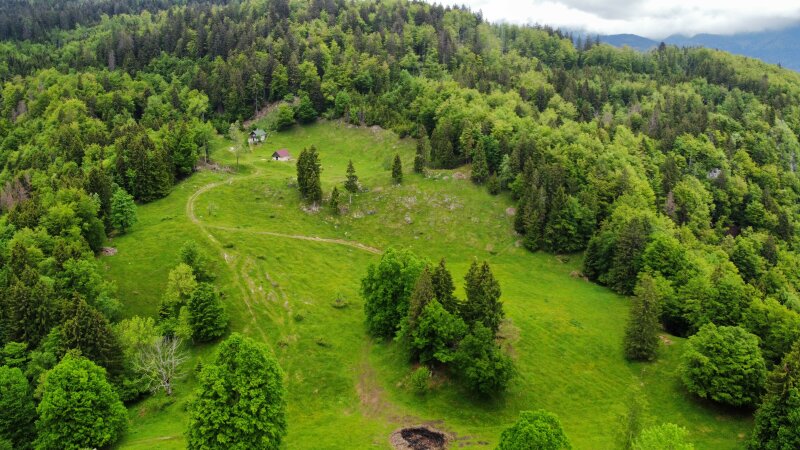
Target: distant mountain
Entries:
(776, 47)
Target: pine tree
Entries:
(334, 201)
(351, 185)
(397, 170)
(423, 151)
(87, 330)
(483, 298)
(778, 418)
(31, 309)
(422, 295)
(99, 183)
(308, 173)
(443, 287)
(17, 410)
(480, 168)
(641, 336)
(207, 317)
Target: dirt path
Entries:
(190, 211)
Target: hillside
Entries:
(348, 390)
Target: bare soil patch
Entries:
(108, 251)
(419, 438)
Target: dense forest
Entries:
(674, 170)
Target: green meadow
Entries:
(281, 268)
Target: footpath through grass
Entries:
(346, 390)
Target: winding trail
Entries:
(190, 211)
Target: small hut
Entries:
(257, 136)
(281, 155)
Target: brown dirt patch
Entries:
(510, 211)
(108, 251)
(419, 438)
(665, 340)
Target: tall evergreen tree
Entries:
(98, 182)
(207, 317)
(778, 418)
(443, 287)
(480, 168)
(351, 184)
(423, 151)
(641, 336)
(308, 173)
(397, 170)
(334, 201)
(87, 330)
(483, 303)
(30, 308)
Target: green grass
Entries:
(346, 390)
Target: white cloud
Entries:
(652, 18)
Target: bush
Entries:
(420, 380)
(534, 430)
(724, 364)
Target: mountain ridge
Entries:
(775, 46)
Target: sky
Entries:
(655, 19)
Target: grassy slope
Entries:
(346, 391)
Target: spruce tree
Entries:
(778, 418)
(423, 151)
(641, 336)
(480, 168)
(207, 317)
(87, 330)
(397, 170)
(334, 201)
(99, 183)
(423, 293)
(32, 311)
(351, 185)
(308, 173)
(483, 298)
(443, 287)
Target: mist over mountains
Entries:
(776, 46)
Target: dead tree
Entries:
(160, 364)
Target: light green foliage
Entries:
(534, 430)
(641, 335)
(778, 418)
(482, 365)
(420, 380)
(202, 265)
(123, 210)
(17, 410)
(240, 402)
(724, 364)
(437, 333)
(79, 409)
(134, 335)
(284, 116)
(207, 317)
(305, 111)
(386, 290)
(667, 436)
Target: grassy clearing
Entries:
(347, 391)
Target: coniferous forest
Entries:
(671, 176)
